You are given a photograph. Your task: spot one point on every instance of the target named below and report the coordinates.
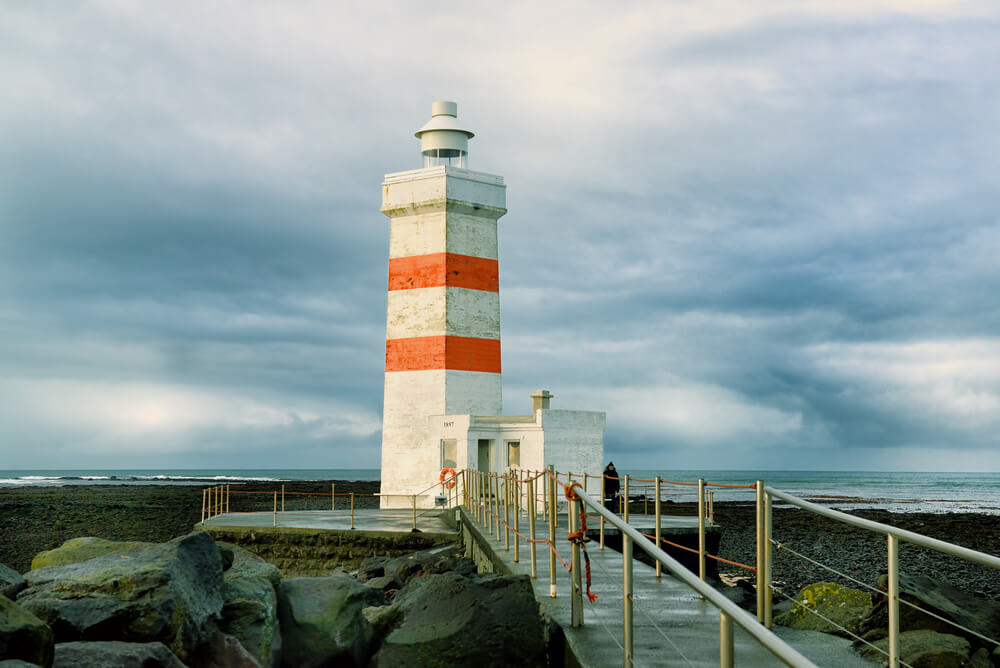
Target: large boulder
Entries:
(440, 559)
(23, 635)
(322, 623)
(115, 653)
(81, 549)
(842, 606)
(11, 582)
(250, 605)
(939, 598)
(924, 649)
(169, 592)
(448, 619)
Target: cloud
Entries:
(762, 229)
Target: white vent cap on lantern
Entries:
(442, 139)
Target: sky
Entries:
(758, 235)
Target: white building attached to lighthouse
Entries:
(443, 394)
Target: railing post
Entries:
(413, 504)
(761, 538)
(203, 493)
(275, 509)
(227, 498)
(576, 589)
(726, 651)
(533, 502)
(893, 594)
(659, 544)
(602, 516)
(711, 507)
(701, 530)
(352, 510)
(768, 551)
(282, 498)
(506, 512)
(626, 587)
(333, 496)
(551, 484)
(496, 504)
(517, 520)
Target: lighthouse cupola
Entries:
(442, 139)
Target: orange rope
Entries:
(579, 537)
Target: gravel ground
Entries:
(857, 553)
(33, 519)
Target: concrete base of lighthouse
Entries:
(568, 440)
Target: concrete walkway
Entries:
(368, 519)
(671, 625)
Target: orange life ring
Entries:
(445, 474)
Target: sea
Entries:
(896, 491)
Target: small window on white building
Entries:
(514, 454)
(449, 453)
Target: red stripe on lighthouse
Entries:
(458, 353)
(444, 269)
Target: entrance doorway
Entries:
(485, 455)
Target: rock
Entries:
(223, 651)
(321, 621)
(843, 606)
(115, 653)
(385, 583)
(980, 659)
(16, 663)
(448, 619)
(939, 598)
(425, 561)
(250, 604)
(11, 582)
(23, 635)
(81, 549)
(372, 567)
(228, 555)
(924, 649)
(170, 592)
(382, 618)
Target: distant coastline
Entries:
(934, 492)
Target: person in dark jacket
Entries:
(611, 487)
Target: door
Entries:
(485, 455)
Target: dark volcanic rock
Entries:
(23, 636)
(250, 604)
(842, 606)
(11, 582)
(114, 653)
(81, 549)
(322, 623)
(942, 599)
(925, 649)
(223, 651)
(434, 560)
(169, 593)
(452, 620)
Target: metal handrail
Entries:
(749, 623)
(887, 530)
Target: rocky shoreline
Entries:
(857, 553)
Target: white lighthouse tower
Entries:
(442, 352)
(442, 349)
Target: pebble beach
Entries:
(33, 519)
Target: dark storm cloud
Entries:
(771, 234)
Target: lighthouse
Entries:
(443, 396)
(442, 352)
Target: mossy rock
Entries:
(843, 606)
(81, 549)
